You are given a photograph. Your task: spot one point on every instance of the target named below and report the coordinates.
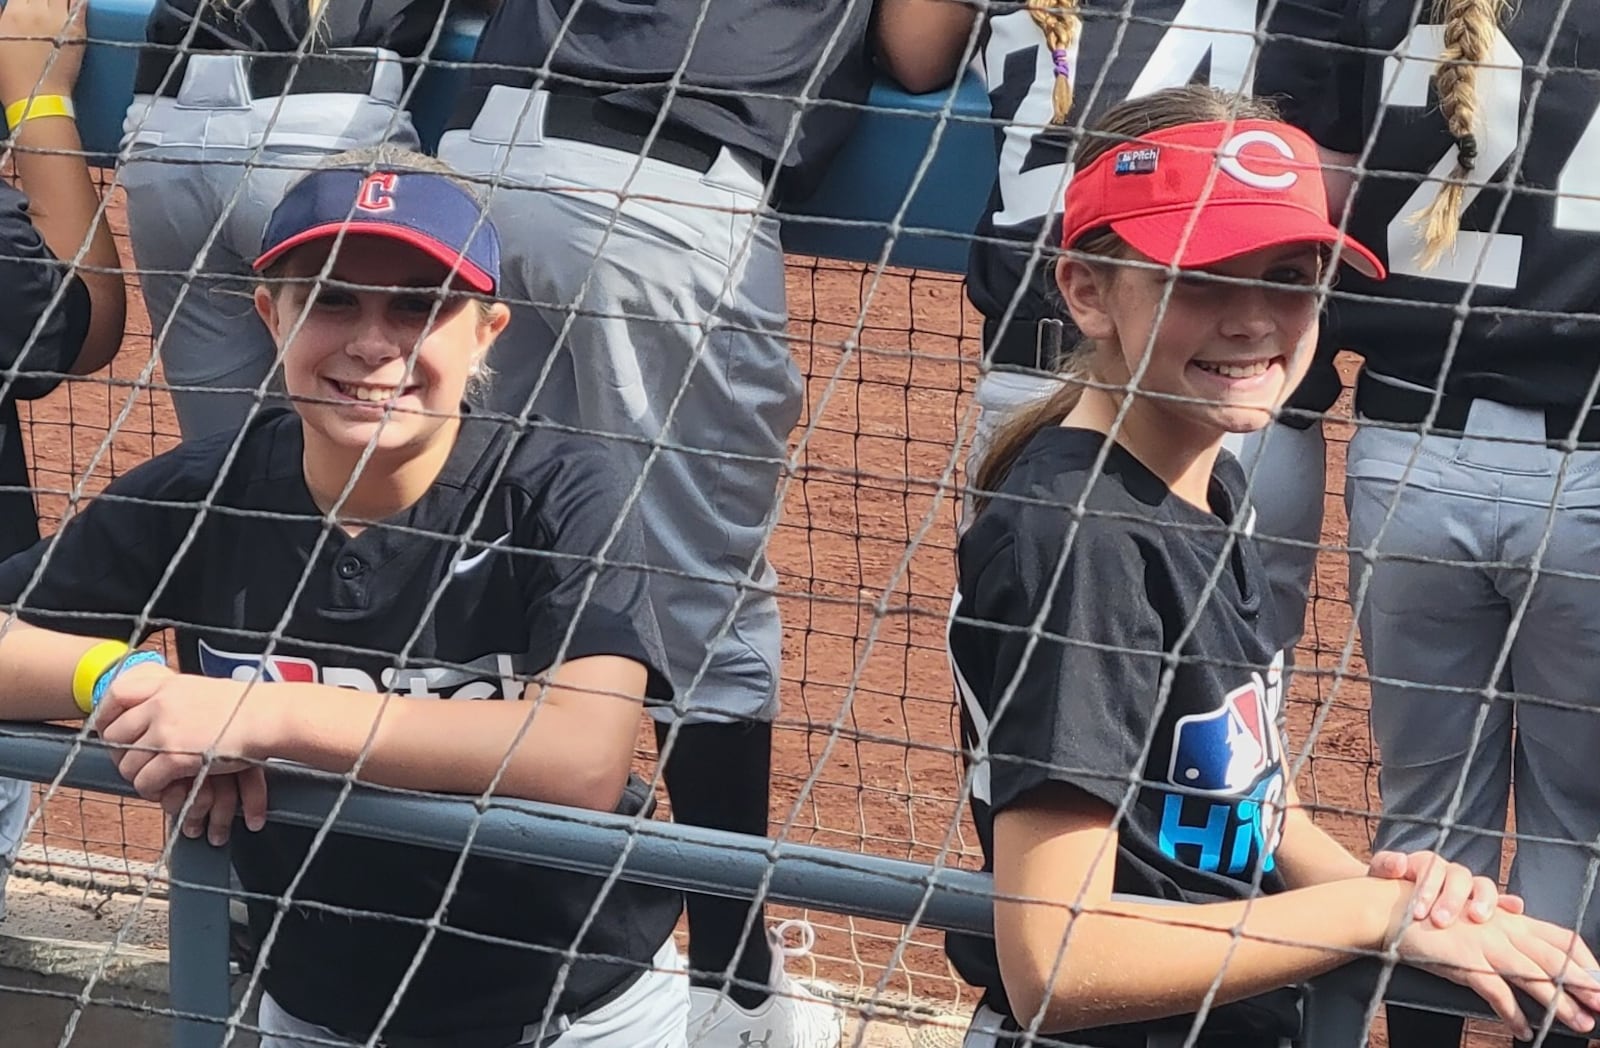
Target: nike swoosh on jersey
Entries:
(466, 564)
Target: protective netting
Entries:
(867, 757)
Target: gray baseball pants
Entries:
(649, 307)
(1476, 560)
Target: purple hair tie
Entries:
(1063, 66)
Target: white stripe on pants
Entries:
(652, 1013)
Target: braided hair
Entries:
(1058, 19)
(1469, 31)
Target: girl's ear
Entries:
(498, 317)
(267, 308)
(1085, 288)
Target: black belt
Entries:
(1384, 402)
(1027, 343)
(582, 117)
(508, 1036)
(268, 76)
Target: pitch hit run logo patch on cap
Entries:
(1138, 161)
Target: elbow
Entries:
(596, 786)
(920, 78)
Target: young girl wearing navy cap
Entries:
(378, 544)
(1156, 877)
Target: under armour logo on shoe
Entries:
(747, 1039)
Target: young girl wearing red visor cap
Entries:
(1156, 879)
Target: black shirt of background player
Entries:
(752, 67)
(1148, 581)
(42, 328)
(268, 27)
(1121, 47)
(1532, 336)
(506, 611)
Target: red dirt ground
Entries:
(866, 758)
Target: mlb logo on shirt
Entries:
(1227, 749)
(1137, 161)
(271, 669)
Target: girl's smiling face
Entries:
(372, 355)
(1219, 354)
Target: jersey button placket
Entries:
(350, 584)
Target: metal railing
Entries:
(1337, 1007)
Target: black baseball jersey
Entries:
(749, 69)
(527, 591)
(42, 328)
(1125, 50)
(1527, 262)
(1089, 706)
(176, 28)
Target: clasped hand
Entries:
(184, 741)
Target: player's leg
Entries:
(15, 795)
(1431, 625)
(652, 1013)
(209, 336)
(279, 1029)
(1553, 653)
(672, 318)
(1287, 470)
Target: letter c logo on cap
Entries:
(1231, 161)
(377, 192)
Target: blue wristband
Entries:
(133, 658)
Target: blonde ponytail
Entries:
(1469, 30)
(1058, 20)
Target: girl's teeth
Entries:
(1236, 370)
(371, 394)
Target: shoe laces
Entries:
(780, 937)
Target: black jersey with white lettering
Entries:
(1124, 50)
(537, 582)
(1060, 637)
(1527, 263)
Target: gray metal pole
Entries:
(666, 855)
(198, 930)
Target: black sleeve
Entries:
(1082, 702)
(97, 574)
(39, 336)
(586, 596)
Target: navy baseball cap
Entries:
(428, 211)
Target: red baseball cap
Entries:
(1198, 194)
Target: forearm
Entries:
(1132, 962)
(36, 667)
(1308, 856)
(65, 207)
(557, 752)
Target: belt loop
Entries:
(215, 81)
(1048, 336)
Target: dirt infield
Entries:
(866, 758)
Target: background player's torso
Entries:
(745, 66)
(1527, 261)
(1124, 51)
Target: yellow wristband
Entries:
(19, 113)
(91, 665)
